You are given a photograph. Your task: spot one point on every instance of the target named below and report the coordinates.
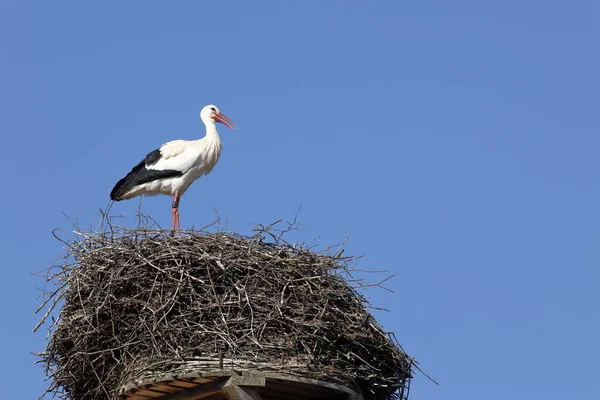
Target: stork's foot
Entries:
(175, 228)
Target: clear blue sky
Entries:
(458, 140)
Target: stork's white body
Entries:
(173, 167)
(193, 158)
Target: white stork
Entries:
(173, 167)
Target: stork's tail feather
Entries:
(132, 179)
(120, 189)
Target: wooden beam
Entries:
(248, 378)
(227, 384)
(352, 394)
(237, 388)
(197, 391)
(241, 393)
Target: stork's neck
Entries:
(210, 146)
(211, 130)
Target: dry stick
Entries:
(54, 304)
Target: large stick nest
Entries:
(137, 303)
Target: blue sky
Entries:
(456, 140)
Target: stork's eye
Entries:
(214, 109)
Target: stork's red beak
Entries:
(225, 121)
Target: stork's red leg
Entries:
(177, 224)
(175, 216)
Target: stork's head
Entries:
(212, 113)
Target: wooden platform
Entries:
(246, 385)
